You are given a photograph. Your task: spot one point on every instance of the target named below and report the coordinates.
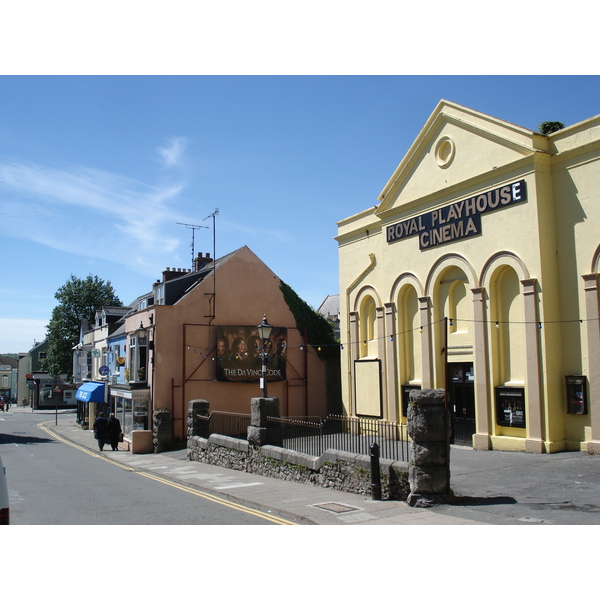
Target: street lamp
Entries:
(141, 332)
(264, 333)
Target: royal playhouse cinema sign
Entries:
(456, 221)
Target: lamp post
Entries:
(264, 333)
(141, 332)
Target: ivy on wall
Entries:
(319, 331)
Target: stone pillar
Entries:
(391, 362)
(428, 470)
(162, 430)
(380, 329)
(425, 331)
(482, 437)
(592, 316)
(196, 426)
(263, 432)
(534, 397)
(353, 353)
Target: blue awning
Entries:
(91, 391)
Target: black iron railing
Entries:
(229, 424)
(348, 434)
(311, 435)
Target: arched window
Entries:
(409, 337)
(508, 329)
(368, 337)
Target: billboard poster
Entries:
(238, 354)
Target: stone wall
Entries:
(333, 469)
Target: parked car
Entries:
(1, 403)
(4, 508)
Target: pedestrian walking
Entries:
(8, 404)
(114, 431)
(100, 430)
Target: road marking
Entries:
(184, 488)
(235, 485)
(228, 503)
(82, 448)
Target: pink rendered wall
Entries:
(185, 339)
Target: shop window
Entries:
(576, 395)
(138, 359)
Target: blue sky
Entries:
(96, 172)
(116, 124)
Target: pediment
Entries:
(456, 145)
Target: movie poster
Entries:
(238, 354)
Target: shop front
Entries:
(131, 408)
(91, 398)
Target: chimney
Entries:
(200, 260)
(170, 274)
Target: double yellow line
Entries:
(257, 513)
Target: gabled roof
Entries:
(119, 332)
(178, 287)
(9, 361)
(456, 145)
(330, 306)
(206, 270)
(114, 310)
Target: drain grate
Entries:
(336, 507)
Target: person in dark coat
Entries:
(100, 430)
(114, 431)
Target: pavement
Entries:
(491, 488)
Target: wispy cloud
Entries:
(172, 154)
(90, 212)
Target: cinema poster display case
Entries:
(576, 395)
(510, 406)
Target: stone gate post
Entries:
(261, 431)
(428, 470)
(162, 430)
(195, 426)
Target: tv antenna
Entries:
(213, 215)
(193, 228)
(214, 294)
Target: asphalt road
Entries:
(53, 483)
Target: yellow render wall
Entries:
(552, 239)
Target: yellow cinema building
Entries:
(477, 271)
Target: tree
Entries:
(78, 299)
(548, 127)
